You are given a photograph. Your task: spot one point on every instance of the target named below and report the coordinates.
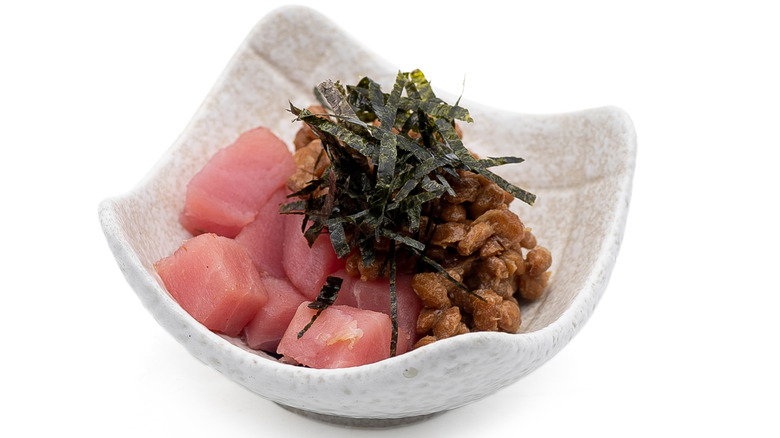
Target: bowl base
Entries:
(368, 423)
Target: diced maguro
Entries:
(346, 297)
(341, 337)
(375, 295)
(307, 268)
(267, 327)
(237, 181)
(269, 324)
(214, 280)
(264, 236)
(404, 342)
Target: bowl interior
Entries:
(579, 164)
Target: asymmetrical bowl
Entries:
(579, 164)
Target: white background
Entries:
(684, 342)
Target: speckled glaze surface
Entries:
(580, 165)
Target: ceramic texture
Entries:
(579, 164)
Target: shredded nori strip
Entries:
(326, 298)
(390, 154)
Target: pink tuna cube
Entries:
(375, 295)
(269, 324)
(235, 183)
(264, 236)
(345, 297)
(307, 268)
(214, 280)
(341, 337)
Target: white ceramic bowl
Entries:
(579, 164)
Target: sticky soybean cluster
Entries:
(485, 247)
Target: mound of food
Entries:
(380, 234)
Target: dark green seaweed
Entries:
(326, 298)
(390, 154)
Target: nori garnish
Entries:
(326, 298)
(390, 154)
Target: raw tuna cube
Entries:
(264, 236)
(269, 324)
(214, 280)
(375, 295)
(346, 296)
(342, 336)
(227, 193)
(404, 342)
(307, 268)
